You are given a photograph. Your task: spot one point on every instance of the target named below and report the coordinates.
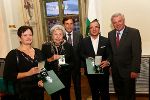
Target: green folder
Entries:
(54, 84)
(90, 64)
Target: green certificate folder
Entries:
(91, 68)
(54, 84)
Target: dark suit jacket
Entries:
(127, 57)
(87, 50)
(77, 37)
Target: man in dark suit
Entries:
(97, 45)
(126, 49)
(74, 38)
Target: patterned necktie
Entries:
(69, 39)
(117, 39)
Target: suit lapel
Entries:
(99, 45)
(123, 37)
(91, 46)
(114, 39)
(65, 37)
(75, 38)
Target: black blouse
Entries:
(48, 50)
(17, 61)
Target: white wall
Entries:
(3, 39)
(12, 12)
(137, 14)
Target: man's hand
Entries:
(134, 75)
(104, 64)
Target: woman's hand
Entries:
(56, 57)
(40, 83)
(33, 71)
(53, 58)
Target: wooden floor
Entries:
(86, 95)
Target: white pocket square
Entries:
(103, 46)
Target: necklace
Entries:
(28, 51)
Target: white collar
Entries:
(69, 33)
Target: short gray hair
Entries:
(57, 27)
(116, 15)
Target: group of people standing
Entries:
(121, 55)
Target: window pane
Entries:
(52, 9)
(51, 22)
(71, 7)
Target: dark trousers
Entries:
(32, 94)
(65, 78)
(99, 85)
(26, 95)
(124, 86)
(64, 94)
(76, 77)
(9, 97)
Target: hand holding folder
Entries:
(51, 82)
(93, 65)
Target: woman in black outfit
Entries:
(21, 68)
(53, 50)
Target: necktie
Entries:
(69, 39)
(117, 39)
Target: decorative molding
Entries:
(28, 9)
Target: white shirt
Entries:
(120, 33)
(71, 37)
(95, 43)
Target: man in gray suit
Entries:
(126, 49)
(74, 38)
